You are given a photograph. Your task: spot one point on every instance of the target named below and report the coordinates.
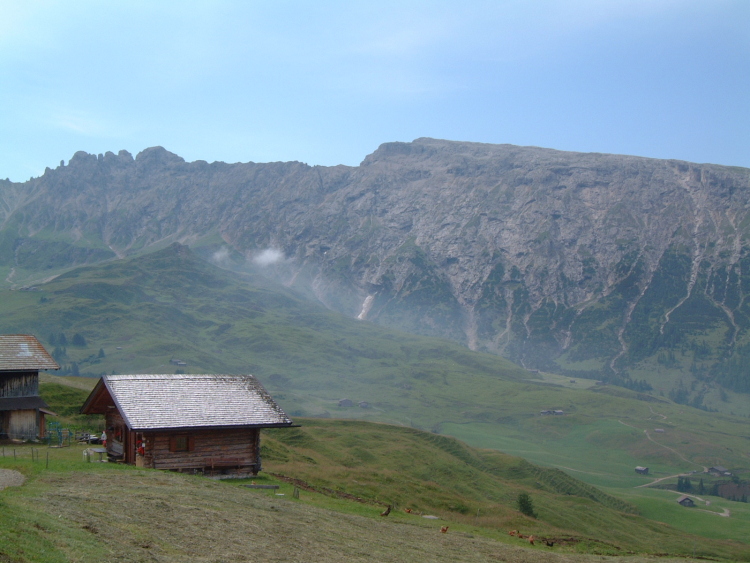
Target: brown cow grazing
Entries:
(513, 533)
(531, 540)
(444, 529)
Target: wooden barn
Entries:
(22, 410)
(186, 422)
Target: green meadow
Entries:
(335, 478)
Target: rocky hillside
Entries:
(611, 266)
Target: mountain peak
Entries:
(157, 155)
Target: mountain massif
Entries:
(622, 268)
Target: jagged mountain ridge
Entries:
(580, 263)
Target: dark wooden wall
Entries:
(19, 384)
(118, 435)
(22, 424)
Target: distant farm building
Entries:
(641, 470)
(659, 430)
(192, 423)
(558, 412)
(364, 405)
(545, 413)
(346, 403)
(552, 412)
(719, 471)
(22, 410)
(685, 500)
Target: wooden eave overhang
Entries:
(23, 404)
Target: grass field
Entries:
(69, 510)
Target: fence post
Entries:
(295, 494)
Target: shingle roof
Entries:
(23, 352)
(149, 402)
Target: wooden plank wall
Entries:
(19, 384)
(113, 419)
(23, 425)
(238, 443)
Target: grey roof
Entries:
(193, 401)
(19, 352)
(22, 404)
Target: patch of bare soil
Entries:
(10, 478)
(163, 517)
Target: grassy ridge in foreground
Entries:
(436, 474)
(433, 473)
(76, 511)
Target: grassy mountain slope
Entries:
(171, 304)
(74, 511)
(334, 463)
(435, 474)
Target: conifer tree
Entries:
(525, 506)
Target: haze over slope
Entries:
(608, 266)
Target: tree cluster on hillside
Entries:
(684, 485)
(734, 373)
(525, 505)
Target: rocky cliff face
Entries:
(580, 263)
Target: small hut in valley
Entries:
(186, 422)
(22, 410)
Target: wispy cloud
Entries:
(221, 257)
(268, 256)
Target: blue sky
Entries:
(327, 82)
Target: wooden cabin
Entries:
(22, 410)
(685, 500)
(186, 422)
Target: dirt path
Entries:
(580, 470)
(678, 454)
(657, 413)
(10, 478)
(726, 512)
(660, 479)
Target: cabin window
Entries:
(181, 443)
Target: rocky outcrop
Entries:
(580, 263)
